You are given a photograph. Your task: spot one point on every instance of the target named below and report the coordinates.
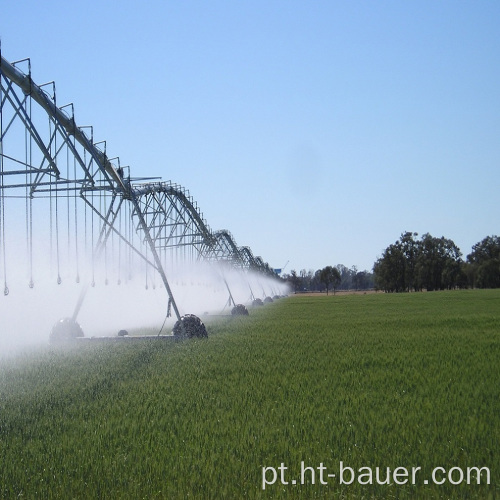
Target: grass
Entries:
(385, 380)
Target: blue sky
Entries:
(316, 132)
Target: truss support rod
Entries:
(30, 88)
(156, 257)
(230, 294)
(118, 233)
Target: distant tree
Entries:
(487, 249)
(330, 276)
(431, 263)
(294, 280)
(438, 263)
(345, 277)
(488, 274)
(304, 285)
(469, 270)
(483, 263)
(361, 280)
(354, 277)
(395, 271)
(316, 281)
(310, 279)
(336, 279)
(410, 248)
(390, 268)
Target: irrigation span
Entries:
(71, 216)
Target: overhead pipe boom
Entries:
(26, 84)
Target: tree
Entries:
(295, 280)
(483, 263)
(362, 280)
(431, 263)
(438, 263)
(345, 275)
(330, 276)
(318, 284)
(389, 269)
(410, 248)
(488, 248)
(488, 274)
(354, 279)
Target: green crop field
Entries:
(313, 384)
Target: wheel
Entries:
(65, 329)
(239, 310)
(190, 326)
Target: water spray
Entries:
(163, 228)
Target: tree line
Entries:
(411, 264)
(333, 278)
(431, 263)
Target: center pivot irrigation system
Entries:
(74, 208)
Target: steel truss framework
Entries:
(46, 157)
